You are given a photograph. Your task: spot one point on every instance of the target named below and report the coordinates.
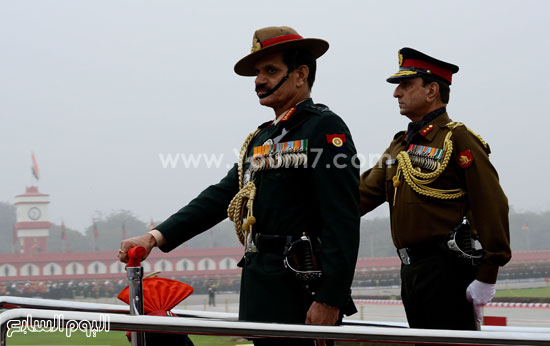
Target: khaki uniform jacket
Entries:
(416, 218)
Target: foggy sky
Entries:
(98, 89)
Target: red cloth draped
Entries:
(160, 294)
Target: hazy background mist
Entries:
(98, 89)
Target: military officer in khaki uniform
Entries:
(294, 184)
(432, 176)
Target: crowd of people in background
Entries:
(80, 289)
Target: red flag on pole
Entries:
(34, 168)
(525, 227)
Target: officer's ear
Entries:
(302, 72)
(433, 92)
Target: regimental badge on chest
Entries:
(425, 157)
(280, 155)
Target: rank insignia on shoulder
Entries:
(336, 139)
(465, 159)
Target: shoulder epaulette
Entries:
(264, 125)
(453, 125)
(399, 134)
(319, 107)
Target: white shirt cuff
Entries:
(159, 238)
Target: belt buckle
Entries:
(404, 256)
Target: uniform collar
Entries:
(431, 129)
(286, 117)
(289, 112)
(420, 126)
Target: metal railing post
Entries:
(3, 334)
(135, 287)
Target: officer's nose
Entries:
(260, 79)
(397, 91)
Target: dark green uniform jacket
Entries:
(416, 218)
(321, 200)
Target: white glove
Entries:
(480, 293)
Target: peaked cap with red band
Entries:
(275, 39)
(413, 63)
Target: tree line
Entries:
(528, 231)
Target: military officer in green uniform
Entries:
(435, 175)
(295, 183)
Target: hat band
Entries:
(279, 39)
(435, 69)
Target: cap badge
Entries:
(256, 45)
(400, 58)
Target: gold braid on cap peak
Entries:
(419, 181)
(244, 199)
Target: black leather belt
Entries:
(273, 243)
(277, 244)
(410, 255)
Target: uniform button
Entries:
(278, 174)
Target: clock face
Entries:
(34, 213)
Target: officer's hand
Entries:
(480, 293)
(322, 314)
(147, 241)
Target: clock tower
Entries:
(32, 225)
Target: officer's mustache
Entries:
(263, 87)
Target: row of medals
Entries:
(277, 159)
(428, 163)
(425, 157)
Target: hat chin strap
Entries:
(283, 80)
